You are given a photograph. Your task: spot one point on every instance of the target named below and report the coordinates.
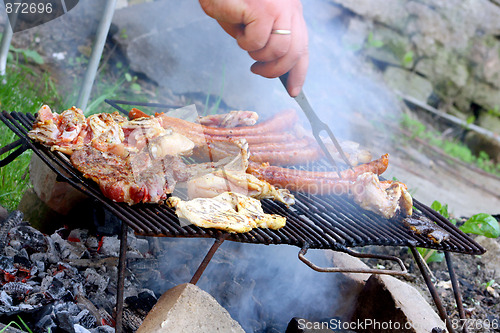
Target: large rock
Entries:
(453, 43)
(187, 308)
(58, 196)
(386, 299)
(409, 83)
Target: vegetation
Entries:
(453, 148)
(479, 224)
(22, 90)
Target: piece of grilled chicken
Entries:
(229, 211)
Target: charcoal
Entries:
(78, 235)
(131, 320)
(103, 329)
(110, 246)
(17, 290)
(37, 298)
(95, 282)
(92, 243)
(64, 322)
(5, 299)
(31, 239)
(80, 329)
(9, 251)
(7, 265)
(139, 244)
(86, 319)
(45, 323)
(12, 220)
(142, 303)
(56, 289)
(53, 253)
(22, 262)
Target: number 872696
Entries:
(475, 324)
(28, 8)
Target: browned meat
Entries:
(231, 119)
(313, 181)
(133, 179)
(423, 226)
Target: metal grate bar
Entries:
(324, 222)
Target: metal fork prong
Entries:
(329, 156)
(337, 145)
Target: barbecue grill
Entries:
(318, 222)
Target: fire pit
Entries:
(327, 222)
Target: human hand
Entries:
(251, 23)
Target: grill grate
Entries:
(321, 222)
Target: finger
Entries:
(256, 34)
(277, 45)
(298, 48)
(297, 76)
(234, 30)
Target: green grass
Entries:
(22, 90)
(454, 148)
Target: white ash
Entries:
(66, 281)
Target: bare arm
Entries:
(251, 22)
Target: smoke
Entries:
(262, 287)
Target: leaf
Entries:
(33, 55)
(441, 209)
(482, 224)
(431, 255)
(128, 77)
(408, 58)
(135, 87)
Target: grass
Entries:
(22, 90)
(453, 148)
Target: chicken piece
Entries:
(228, 211)
(220, 181)
(231, 119)
(383, 198)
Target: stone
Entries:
(489, 121)
(386, 299)
(478, 142)
(58, 196)
(490, 258)
(187, 308)
(350, 284)
(390, 12)
(409, 83)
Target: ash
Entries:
(66, 282)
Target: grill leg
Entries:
(207, 259)
(122, 265)
(432, 289)
(456, 290)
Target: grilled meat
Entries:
(133, 179)
(383, 198)
(423, 226)
(230, 120)
(220, 181)
(315, 182)
(64, 132)
(228, 211)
